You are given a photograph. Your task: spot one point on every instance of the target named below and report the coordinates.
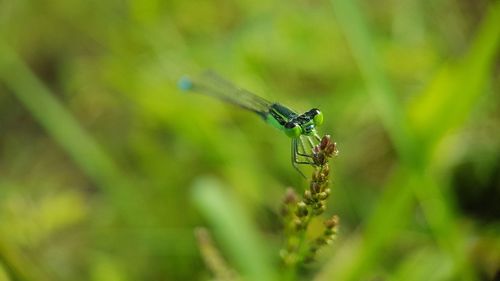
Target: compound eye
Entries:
(293, 130)
(317, 117)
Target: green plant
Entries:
(297, 214)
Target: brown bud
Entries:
(332, 222)
(321, 177)
(332, 149)
(325, 141)
(290, 196)
(315, 187)
(326, 171)
(319, 159)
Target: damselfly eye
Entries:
(317, 116)
(293, 130)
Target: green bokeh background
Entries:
(106, 167)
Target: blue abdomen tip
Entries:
(185, 83)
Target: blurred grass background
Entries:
(106, 168)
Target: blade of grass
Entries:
(455, 90)
(424, 264)
(379, 89)
(380, 228)
(19, 265)
(235, 231)
(65, 130)
(394, 119)
(462, 91)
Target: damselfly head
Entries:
(309, 120)
(316, 115)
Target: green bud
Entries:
(320, 210)
(327, 191)
(308, 196)
(322, 195)
(299, 224)
(301, 209)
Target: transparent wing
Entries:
(210, 83)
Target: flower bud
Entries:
(301, 209)
(319, 159)
(327, 191)
(308, 196)
(320, 210)
(325, 141)
(322, 195)
(290, 196)
(315, 187)
(332, 222)
(299, 224)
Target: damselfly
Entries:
(301, 128)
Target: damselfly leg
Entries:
(297, 144)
